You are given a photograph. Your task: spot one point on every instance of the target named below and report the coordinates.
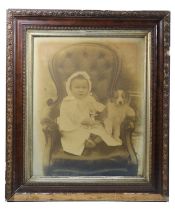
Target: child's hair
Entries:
(79, 77)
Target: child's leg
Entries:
(116, 132)
(108, 126)
(109, 140)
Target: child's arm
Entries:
(99, 107)
(66, 122)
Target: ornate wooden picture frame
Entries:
(87, 105)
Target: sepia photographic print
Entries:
(87, 105)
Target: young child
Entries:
(77, 115)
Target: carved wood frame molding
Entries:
(161, 18)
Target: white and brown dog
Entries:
(118, 109)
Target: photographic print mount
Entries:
(19, 22)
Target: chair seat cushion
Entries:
(100, 152)
(99, 161)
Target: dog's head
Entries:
(120, 97)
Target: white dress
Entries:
(74, 135)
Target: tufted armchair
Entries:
(103, 64)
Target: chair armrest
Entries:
(48, 125)
(127, 129)
(52, 141)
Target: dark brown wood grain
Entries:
(18, 21)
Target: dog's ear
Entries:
(127, 97)
(113, 97)
(112, 100)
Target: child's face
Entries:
(79, 88)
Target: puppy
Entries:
(117, 110)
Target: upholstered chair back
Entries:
(101, 63)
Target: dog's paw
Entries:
(131, 125)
